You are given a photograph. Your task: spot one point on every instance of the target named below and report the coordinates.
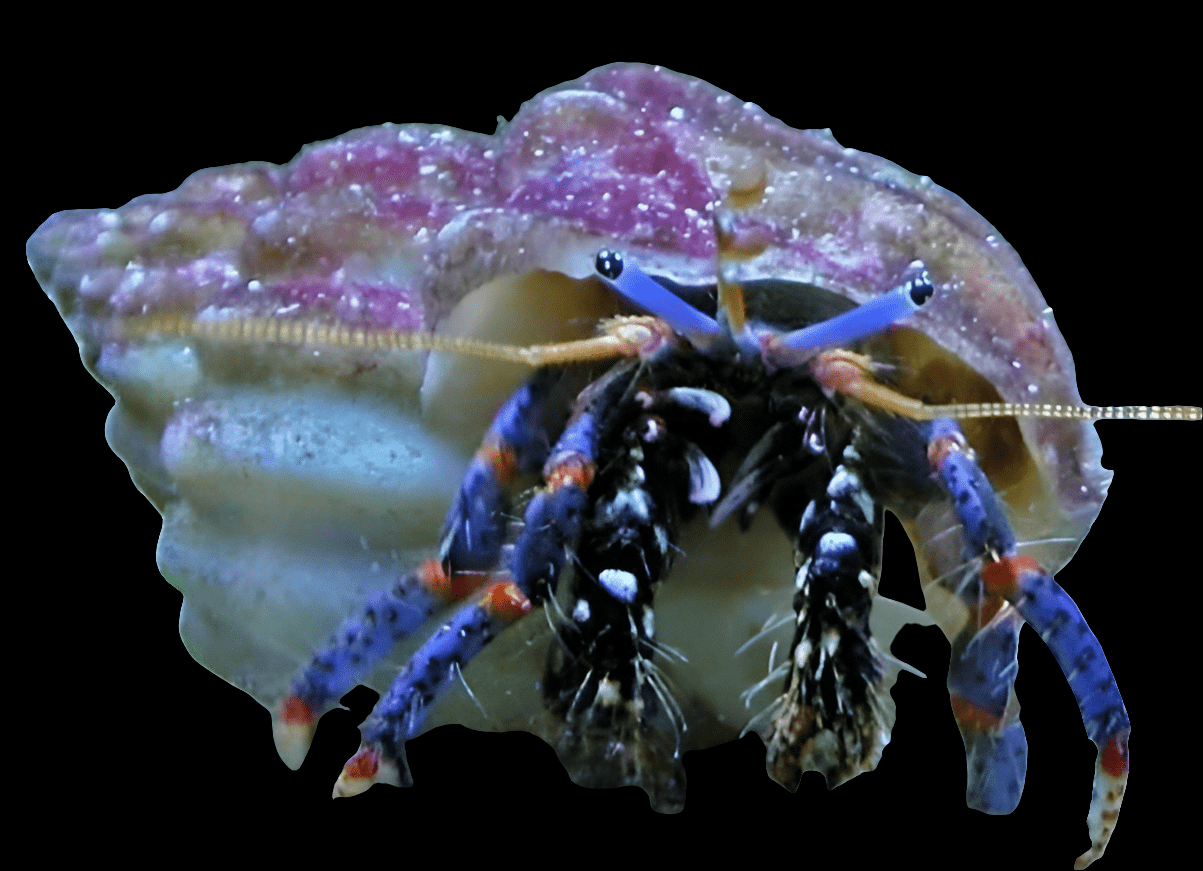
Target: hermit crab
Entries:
(671, 531)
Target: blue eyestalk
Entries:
(865, 320)
(645, 293)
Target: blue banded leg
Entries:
(1028, 588)
(469, 545)
(355, 649)
(431, 670)
(515, 443)
(984, 663)
(981, 688)
(834, 716)
(1051, 612)
(551, 528)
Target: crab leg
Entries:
(833, 716)
(552, 525)
(1031, 591)
(429, 673)
(470, 542)
(981, 687)
(516, 442)
(622, 724)
(984, 663)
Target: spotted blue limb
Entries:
(469, 544)
(981, 687)
(984, 663)
(515, 443)
(1022, 584)
(551, 528)
(432, 669)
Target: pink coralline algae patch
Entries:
(398, 205)
(627, 174)
(388, 228)
(630, 154)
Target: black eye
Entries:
(921, 288)
(608, 264)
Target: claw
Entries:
(293, 726)
(1110, 780)
(366, 768)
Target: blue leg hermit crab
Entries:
(201, 415)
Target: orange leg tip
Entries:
(358, 774)
(1110, 779)
(365, 768)
(296, 712)
(363, 764)
(506, 601)
(1115, 755)
(293, 725)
